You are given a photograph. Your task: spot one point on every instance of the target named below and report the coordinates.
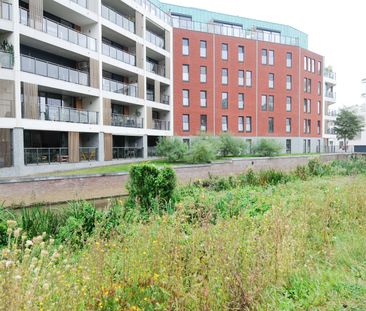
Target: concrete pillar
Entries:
(145, 145)
(167, 67)
(149, 121)
(141, 86)
(18, 148)
(167, 40)
(140, 56)
(101, 147)
(139, 24)
(157, 91)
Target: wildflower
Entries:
(9, 231)
(44, 253)
(11, 223)
(18, 277)
(52, 241)
(24, 237)
(55, 255)
(8, 263)
(17, 232)
(156, 276)
(37, 239)
(5, 252)
(43, 244)
(29, 243)
(46, 286)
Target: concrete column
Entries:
(141, 86)
(100, 146)
(167, 40)
(140, 56)
(18, 148)
(167, 67)
(139, 24)
(157, 91)
(145, 145)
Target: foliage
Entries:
(267, 148)
(5, 215)
(230, 145)
(348, 125)
(203, 150)
(173, 148)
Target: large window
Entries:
(248, 124)
(318, 128)
(270, 57)
(319, 106)
(288, 82)
(224, 123)
(264, 57)
(241, 124)
(185, 120)
(288, 60)
(288, 145)
(224, 76)
(241, 101)
(203, 48)
(319, 68)
(270, 103)
(319, 88)
(224, 100)
(185, 71)
(241, 53)
(288, 125)
(288, 103)
(224, 51)
(185, 97)
(270, 125)
(241, 77)
(203, 98)
(264, 103)
(248, 78)
(203, 122)
(203, 74)
(185, 46)
(307, 85)
(271, 80)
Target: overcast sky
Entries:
(336, 29)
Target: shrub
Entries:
(316, 168)
(150, 188)
(272, 177)
(171, 148)
(267, 148)
(229, 145)
(203, 150)
(5, 215)
(249, 178)
(301, 172)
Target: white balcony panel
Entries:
(75, 12)
(121, 130)
(7, 74)
(157, 77)
(42, 125)
(157, 49)
(158, 105)
(123, 98)
(121, 31)
(6, 25)
(118, 64)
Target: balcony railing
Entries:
(88, 154)
(330, 95)
(64, 114)
(119, 87)
(83, 3)
(162, 125)
(118, 54)
(164, 99)
(46, 155)
(155, 68)
(330, 74)
(5, 10)
(330, 131)
(152, 152)
(128, 152)
(51, 70)
(118, 19)
(150, 95)
(153, 9)
(6, 60)
(233, 31)
(331, 113)
(61, 31)
(155, 39)
(127, 121)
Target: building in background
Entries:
(254, 79)
(82, 82)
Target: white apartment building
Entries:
(82, 82)
(329, 110)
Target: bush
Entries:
(5, 215)
(203, 150)
(316, 168)
(267, 148)
(171, 148)
(272, 177)
(229, 145)
(301, 172)
(150, 188)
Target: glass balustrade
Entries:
(118, 19)
(83, 3)
(127, 121)
(5, 10)
(6, 60)
(161, 125)
(119, 87)
(118, 54)
(65, 114)
(155, 39)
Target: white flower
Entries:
(29, 243)
(18, 277)
(11, 223)
(17, 232)
(8, 263)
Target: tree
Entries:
(347, 125)
(230, 145)
(173, 148)
(267, 148)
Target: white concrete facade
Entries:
(122, 50)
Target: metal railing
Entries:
(154, 10)
(51, 70)
(155, 68)
(83, 3)
(332, 113)
(88, 154)
(60, 31)
(118, 19)
(6, 60)
(127, 121)
(233, 31)
(155, 39)
(161, 125)
(150, 95)
(329, 149)
(119, 87)
(127, 152)
(330, 131)
(46, 155)
(5, 10)
(164, 99)
(65, 114)
(330, 95)
(330, 74)
(152, 152)
(118, 54)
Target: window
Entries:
(186, 122)
(224, 51)
(203, 98)
(241, 124)
(203, 122)
(288, 125)
(185, 97)
(241, 53)
(224, 76)
(288, 103)
(319, 106)
(270, 125)
(305, 63)
(241, 77)
(187, 141)
(318, 128)
(304, 148)
(249, 78)
(308, 88)
(288, 82)
(224, 100)
(185, 46)
(203, 48)
(185, 76)
(319, 68)
(270, 57)
(288, 60)
(319, 88)
(203, 74)
(271, 80)
(248, 124)
(264, 57)
(270, 103)
(309, 105)
(309, 126)
(313, 65)
(309, 64)
(241, 101)
(264, 103)
(309, 145)
(288, 146)
(224, 125)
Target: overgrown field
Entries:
(267, 241)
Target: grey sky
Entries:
(336, 30)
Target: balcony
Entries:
(164, 99)
(64, 114)
(88, 154)
(54, 71)
(62, 32)
(128, 152)
(162, 125)
(154, 10)
(155, 39)
(45, 155)
(127, 121)
(331, 95)
(5, 10)
(331, 113)
(330, 74)
(330, 131)
(118, 54)
(83, 3)
(119, 87)
(155, 68)
(118, 19)
(6, 60)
